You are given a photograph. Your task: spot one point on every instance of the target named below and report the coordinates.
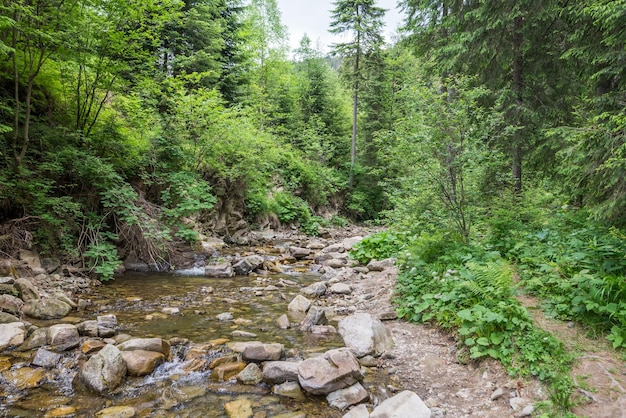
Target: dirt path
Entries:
(426, 361)
(598, 371)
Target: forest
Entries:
(489, 139)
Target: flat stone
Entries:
(116, 412)
(289, 390)
(336, 369)
(344, 398)
(12, 334)
(46, 359)
(63, 336)
(227, 371)
(26, 377)
(299, 304)
(240, 408)
(404, 404)
(280, 371)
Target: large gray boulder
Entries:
(299, 304)
(26, 290)
(157, 345)
(46, 308)
(247, 265)
(314, 290)
(364, 334)
(280, 371)
(336, 369)
(262, 352)
(46, 359)
(63, 337)
(12, 334)
(404, 404)
(352, 395)
(104, 371)
(11, 304)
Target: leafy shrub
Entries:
(384, 244)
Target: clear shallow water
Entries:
(137, 299)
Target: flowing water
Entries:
(137, 300)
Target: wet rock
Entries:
(88, 328)
(248, 265)
(299, 253)
(61, 411)
(251, 375)
(12, 334)
(227, 371)
(91, 346)
(359, 411)
(63, 337)
(26, 290)
(107, 325)
(142, 362)
(11, 304)
(46, 308)
(283, 322)
(6, 318)
(315, 290)
(404, 404)
(336, 369)
(104, 371)
(344, 398)
(364, 334)
(38, 338)
(233, 358)
(368, 361)
(225, 316)
(280, 371)
(146, 344)
(240, 408)
(46, 359)
(116, 412)
(376, 265)
(26, 377)
(315, 316)
(219, 270)
(340, 289)
(289, 390)
(322, 330)
(262, 352)
(299, 304)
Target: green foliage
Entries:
(384, 244)
(579, 270)
(472, 292)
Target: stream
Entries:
(138, 300)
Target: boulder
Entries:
(299, 304)
(107, 325)
(280, 371)
(6, 318)
(404, 404)
(11, 304)
(157, 345)
(340, 289)
(239, 408)
(336, 369)
(289, 390)
(46, 308)
(227, 371)
(38, 338)
(26, 290)
(299, 252)
(283, 322)
(251, 375)
(315, 290)
(142, 362)
(7, 289)
(105, 370)
(376, 265)
(344, 398)
(210, 244)
(30, 258)
(26, 377)
(364, 334)
(46, 359)
(219, 270)
(262, 352)
(12, 334)
(359, 411)
(248, 265)
(88, 328)
(315, 316)
(63, 337)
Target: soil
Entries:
(426, 361)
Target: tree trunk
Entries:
(516, 152)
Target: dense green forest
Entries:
(490, 138)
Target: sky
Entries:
(313, 18)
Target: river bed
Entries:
(138, 300)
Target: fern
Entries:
(490, 281)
